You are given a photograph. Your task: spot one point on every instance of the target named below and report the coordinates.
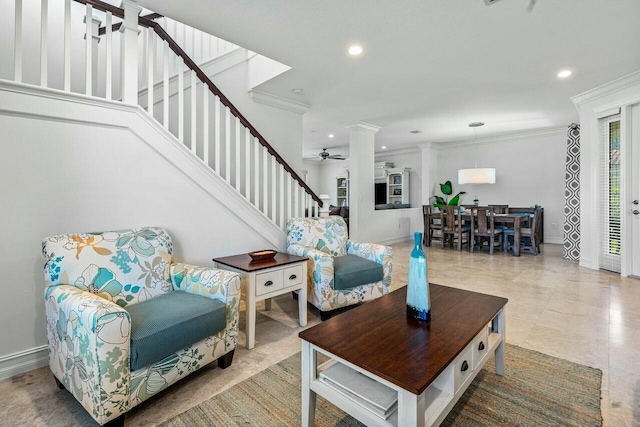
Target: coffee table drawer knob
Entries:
(464, 366)
(293, 277)
(481, 346)
(268, 283)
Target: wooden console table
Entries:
(427, 367)
(266, 279)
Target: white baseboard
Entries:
(23, 361)
(395, 240)
(554, 240)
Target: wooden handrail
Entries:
(115, 27)
(157, 28)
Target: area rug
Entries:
(536, 390)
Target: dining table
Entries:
(509, 219)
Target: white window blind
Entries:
(610, 181)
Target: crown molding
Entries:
(607, 88)
(501, 138)
(278, 102)
(398, 151)
(362, 126)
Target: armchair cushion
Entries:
(351, 271)
(165, 324)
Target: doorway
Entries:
(631, 199)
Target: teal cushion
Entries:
(165, 324)
(350, 271)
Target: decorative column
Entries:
(361, 175)
(429, 164)
(130, 30)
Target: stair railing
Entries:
(209, 125)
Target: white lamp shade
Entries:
(477, 176)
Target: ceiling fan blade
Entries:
(337, 157)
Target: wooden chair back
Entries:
(485, 221)
(449, 218)
(500, 209)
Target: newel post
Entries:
(130, 30)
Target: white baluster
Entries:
(108, 56)
(265, 181)
(165, 85)
(216, 130)
(180, 100)
(315, 208)
(142, 71)
(88, 38)
(281, 192)
(205, 123)
(151, 50)
(256, 172)
(247, 164)
(290, 182)
(17, 53)
(194, 136)
(227, 144)
(237, 157)
(296, 194)
(44, 24)
(274, 191)
(67, 46)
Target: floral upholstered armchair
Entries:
(341, 272)
(124, 322)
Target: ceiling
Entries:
(428, 65)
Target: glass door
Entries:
(610, 238)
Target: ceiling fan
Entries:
(325, 155)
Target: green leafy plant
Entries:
(447, 190)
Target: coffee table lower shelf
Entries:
(434, 403)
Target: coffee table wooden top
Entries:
(245, 263)
(380, 338)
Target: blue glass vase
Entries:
(418, 304)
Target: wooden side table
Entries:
(266, 279)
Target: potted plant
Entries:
(447, 190)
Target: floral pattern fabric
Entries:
(320, 270)
(89, 277)
(125, 266)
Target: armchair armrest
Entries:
(374, 252)
(322, 261)
(212, 283)
(89, 349)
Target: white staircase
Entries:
(125, 55)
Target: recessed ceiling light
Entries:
(355, 50)
(297, 91)
(384, 147)
(331, 135)
(564, 74)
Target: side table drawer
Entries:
(292, 275)
(463, 367)
(268, 282)
(480, 347)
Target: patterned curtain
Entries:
(571, 248)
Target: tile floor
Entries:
(555, 307)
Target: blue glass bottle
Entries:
(418, 304)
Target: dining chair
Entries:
(529, 235)
(483, 226)
(453, 226)
(432, 223)
(500, 209)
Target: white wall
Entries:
(313, 175)
(530, 170)
(71, 166)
